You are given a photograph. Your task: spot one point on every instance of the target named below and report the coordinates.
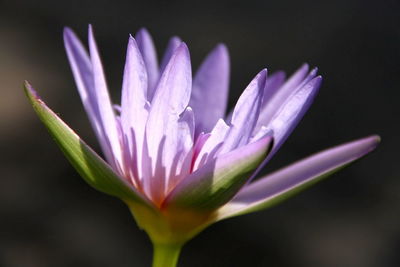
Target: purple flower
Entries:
(172, 155)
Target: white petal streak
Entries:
(163, 137)
(245, 114)
(134, 110)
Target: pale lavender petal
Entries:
(173, 44)
(134, 109)
(288, 181)
(273, 103)
(83, 73)
(245, 114)
(103, 101)
(272, 84)
(219, 180)
(163, 137)
(289, 115)
(210, 89)
(82, 69)
(146, 47)
(213, 144)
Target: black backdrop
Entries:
(50, 217)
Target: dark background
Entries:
(50, 217)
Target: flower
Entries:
(171, 154)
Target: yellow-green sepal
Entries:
(93, 169)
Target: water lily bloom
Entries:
(172, 155)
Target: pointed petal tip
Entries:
(220, 52)
(143, 33)
(377, 138)
(221, 47)
(182, 49)
(90, 33)
(143, 30)
(67, 30)
(30, 91)
(371, 142)
(132, 40)
(305, 65)
(68, 34)
(262, 77)
(27, 84)
(175, 39)
(264, 71)
(316, 82)
(183, 45)
(360, 147)
(314, 70)
(267, 141)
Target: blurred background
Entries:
(50, 217)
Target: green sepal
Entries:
(93, 169)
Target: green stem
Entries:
(166, 255)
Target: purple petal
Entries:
(210, 89)
(134, 109)
(245, 114)
(273, 103)
(82, 69)
(165, 140)
(102, 99)
(272, 84)
(146, 47)
(291, 112)
(219, 180)
(173, 44)
(289, 115)
(284, 183)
